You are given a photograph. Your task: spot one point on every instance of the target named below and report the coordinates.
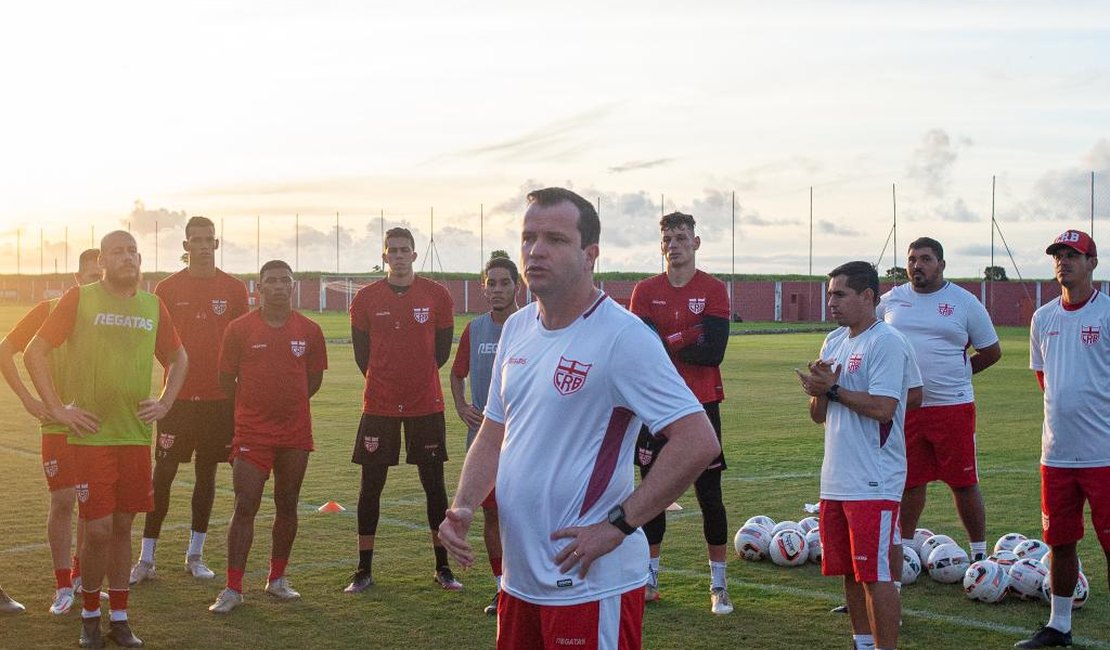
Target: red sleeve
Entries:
(718, 302)
(168, 342)
(229, 350)
(445, 314)
(58, 325)
(461, 367)
(360, 319)
(318, 350)
(1040, 379)
(638, 303)
(25, 329)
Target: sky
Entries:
(276, 119)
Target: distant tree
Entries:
(499, 253)
(185, 258)
(996, 273)
(896, 274)
(377, 268)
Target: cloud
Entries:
(956, 211)
(558, 140)
(829, 228)
(142, 221)
(931, 163)
(639, 164)
(1065, 194)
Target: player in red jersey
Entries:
(57, 457)
(272, 361)
(689, 309)
(202, 300)
(401, 330)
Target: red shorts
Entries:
(940, 445)
(856, 537)
(1063, 491)
(57, 462)
(491, 500)
(260, 456)
(113, 479)
(613, 622)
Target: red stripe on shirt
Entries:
(607, 455)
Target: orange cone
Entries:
(331, 506)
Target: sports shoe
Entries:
(651, 593)
(360, 582)
(63, 601)
(9, 605)
(91, 636)
(839, 609)
(976, 557)
(227, 600)
(446, 579)
(280, 589)
(119, 632)
(141, 572)
(1046, 637)
(195, 565)
(491, 608)
(722, 604)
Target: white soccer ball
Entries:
(813, 541)
(784, 524)
(788, 548)
(808, 524)
(919, 537)
(933, 542)
(1027, 577)
(1046, 560)
(752, 542)
(1008, 541)
(1005, 559)
(1079, 596)
(911, 565)
(1031, 548)
(761, 520)
(947, 563)
(986, 581)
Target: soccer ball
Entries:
(911, 565)
(947, 563)
(1008, 541)
(813, 541)
(808, 524)
(788, 548)
(762, 520)
(1027, 576)
(752, 542)
(1031, 548)
(919, 537)
(784, 524)
(1005, 559)
(933, 542)
(1079, 596)
(986, 581)
(1047, 562)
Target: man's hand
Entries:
(452, 534)
(151, 409)
(470, 415)
(820, 379)
(587, 543)
(36, 408)
(80, 422)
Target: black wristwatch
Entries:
(616, 517)
(833, 393)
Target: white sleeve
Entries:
(1036, 361)
(980, 329)
(913, 371)
(645, 380)
(495, 407)
(887, 367)
(881, 308)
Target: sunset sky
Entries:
(120, 114)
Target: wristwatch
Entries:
(616, 517)
(833, 393)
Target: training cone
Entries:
(331, 506)
(674, 507)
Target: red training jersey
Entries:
(402, 377)
(272, 365)
(676, 309)
(461, 367)
(201, 309)
(25, 329)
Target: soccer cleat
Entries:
(227, 600)
(63, 601)
(91, 636)
(446, 579)
(977, 557)
(360, 582)
(119, 632)
(195, 565)
(839, 609)
(722, 604)
(1046, 637)
(651, 593)
(491, 608)
(280, 589)
(8, 605)
(141, 572)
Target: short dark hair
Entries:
(88, 256)
(928, 242)
(399, 232)
(500, 262)
(589, 226)
(198, 222)
(274, 264)
(676, 220)
(861, 276)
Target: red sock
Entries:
(235, 579)
(495, 564)
(62, 579)
(75, 572)
(90, 600)
(277, 568)
(117, 599)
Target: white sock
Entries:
(1061, 613)
(85, 613)
(653, 564)
(864, 641)
(147, 553)
(898, 586)
(115, 615)
(196, 543)
(978, 550)
(717, 575)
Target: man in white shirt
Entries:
(860, 387)
(1069, 350)
(574, 376)
(942, 321)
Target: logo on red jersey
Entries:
(421, 314)
(51, 468)
(219, 307)
(696, 305)
(854, 363)
(298, 348)
(165, 440)
(82, 492)
(945, 309)
(370, 444)
(1089, 335)
(570, 375)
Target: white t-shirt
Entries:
(940, 326)
(866, 460)
(1072, 348)
(572, 401)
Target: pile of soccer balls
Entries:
(1020, 566)
(787, 543)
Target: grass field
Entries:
(774, 454)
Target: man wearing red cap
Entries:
(1069, 349)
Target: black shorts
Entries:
(379, 440)
(649, 446)
(204, 426)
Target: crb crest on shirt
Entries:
(421, 314)
(696, 305)
(1089, 335)
(219, 307)
(298, 347)
(945, 309)
(570, 375)
(855, 362)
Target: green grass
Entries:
(774, 454)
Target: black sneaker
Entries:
(1046, 637)
(839, 609)
(446, 579)
(120, 633)
(90, 633)
(360, 582)
(491, 608)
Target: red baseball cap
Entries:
(1077, 240)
